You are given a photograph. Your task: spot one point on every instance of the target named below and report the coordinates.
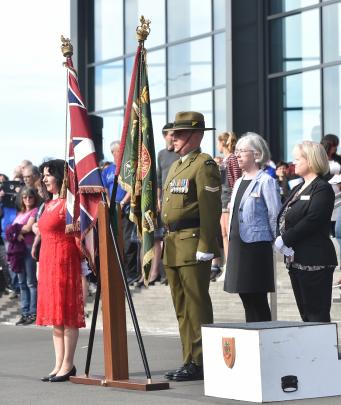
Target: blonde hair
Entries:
(228, 140)
(315, 155)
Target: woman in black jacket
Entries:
(304, 223)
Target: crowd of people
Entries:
(219, 219)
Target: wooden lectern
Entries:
(114, 319)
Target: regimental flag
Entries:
(136, 167)
(84, 178)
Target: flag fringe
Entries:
(91, 189)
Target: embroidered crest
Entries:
(210, 162)
(229, 351)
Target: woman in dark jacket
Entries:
(303, 223)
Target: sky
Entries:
(32, 81)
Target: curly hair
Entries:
(56, 169)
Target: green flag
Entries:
(138, 169)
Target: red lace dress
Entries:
(60, 300)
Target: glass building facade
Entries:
(186, 61)
(304, 70)
(269, 66)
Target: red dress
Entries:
(60, 300)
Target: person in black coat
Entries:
(303, 224)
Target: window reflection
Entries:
(220, 111)
(151, 10)
(280, 6)
(112, 130)
(108, 29)
(331, 32)
(159, 120)
(220, 59)
(219, 9)
(332, 100)
(109, 85)
(187, 18)
(199, 102)
(294, 41)
(190, 66)
(296, 109)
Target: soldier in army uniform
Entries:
(191, 212)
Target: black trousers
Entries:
(256, 307)
(130, 249)
(313, 293)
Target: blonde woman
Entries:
(304, 224)
(230, 172)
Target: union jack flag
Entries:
(84, 178)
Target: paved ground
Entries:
(26, 355)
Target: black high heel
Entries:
(158, 278)
(47, 378)
(65, 377)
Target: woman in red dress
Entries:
(60, 300)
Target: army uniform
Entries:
(191, 212)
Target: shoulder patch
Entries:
(210, 162)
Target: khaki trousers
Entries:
(193, 307)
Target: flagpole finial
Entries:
(143, 30)
(67, 48)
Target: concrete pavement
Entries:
(26, 354)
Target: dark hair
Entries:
(5, 177)
(281, 163)
(56, 169)
(30, 191)
(329, 141)
(169, 125)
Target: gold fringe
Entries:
(91, 189)
(65, 183)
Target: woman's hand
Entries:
(20, 237)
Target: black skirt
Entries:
(249, 266)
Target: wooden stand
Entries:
(114, 319)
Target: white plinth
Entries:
(267, 351)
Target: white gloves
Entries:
(281, 248)
(204, 257)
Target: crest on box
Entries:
(229, 351)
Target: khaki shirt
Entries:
(192, 191)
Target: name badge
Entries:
(255, 195)
(305, 197)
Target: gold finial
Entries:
(143, 30)
(67, 48)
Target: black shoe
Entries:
(132, 280)
(22, 320)
(30, 319)
(215, 273)
(47, 378)
(65, 377)
(190, 373)
(152, 282)
(169, 375)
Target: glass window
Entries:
(219, 9)
(331, 32)
(332, 100)
(109, 85)
(296, 110)
(280, 6)
(159, 120)
(156, 74)
(220, 111)
(190, 66)
(294, 41)
(220, 59)
(187, 18)
(112, 130)
(151, 10)
(108, 29)
(199, 102)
